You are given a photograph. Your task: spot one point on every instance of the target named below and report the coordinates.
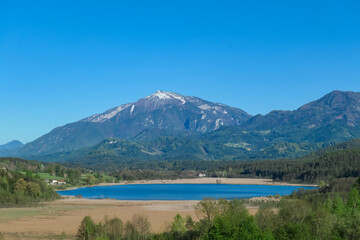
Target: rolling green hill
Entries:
(226, 143)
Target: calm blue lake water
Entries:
(179, 191)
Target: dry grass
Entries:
(60, 219)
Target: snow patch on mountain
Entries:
(219, 122)
(204, 128)
(215, 109)
(107, 115)
(205, 107)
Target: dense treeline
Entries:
(334, 164)
(18, 164)
(17, 189)
(331, 212)
(56, 170)
(53, 171)
(341, 160)
(137, 228)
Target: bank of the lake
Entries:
(205, 180)
(167, 191)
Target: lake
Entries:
(179, 191)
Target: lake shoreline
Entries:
(50, 219)
(230, 181)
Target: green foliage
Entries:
(303, 215)
(33, 170)
(189, 223)
(337, 161)
(178, 226)
(18, 164)
(17, 190)
(338, 207)
(234, 222)
(139, 228)
(307, 216)
(90, 179)
(209, 208)
(87, 230)
(112, 229)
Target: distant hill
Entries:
(15, 144)
(10, 148)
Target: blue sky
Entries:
(61, 61)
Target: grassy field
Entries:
(45, 175)
(48, 176)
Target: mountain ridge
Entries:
(161, 110)
(333, 118)
(336, 105)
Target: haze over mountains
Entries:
(173, 126)
(11, 145)
(10, 148)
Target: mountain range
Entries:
(167, 125)
(162, 113)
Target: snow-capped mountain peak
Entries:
(166, 95)
(163, 100)
(161, 113)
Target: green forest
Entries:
(26, 182)
(17, 189)
(337, 161)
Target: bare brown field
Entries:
(60, 219)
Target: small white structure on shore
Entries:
(202, 175)
(57, 182)
(61, 181)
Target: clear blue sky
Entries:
(61, 61)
